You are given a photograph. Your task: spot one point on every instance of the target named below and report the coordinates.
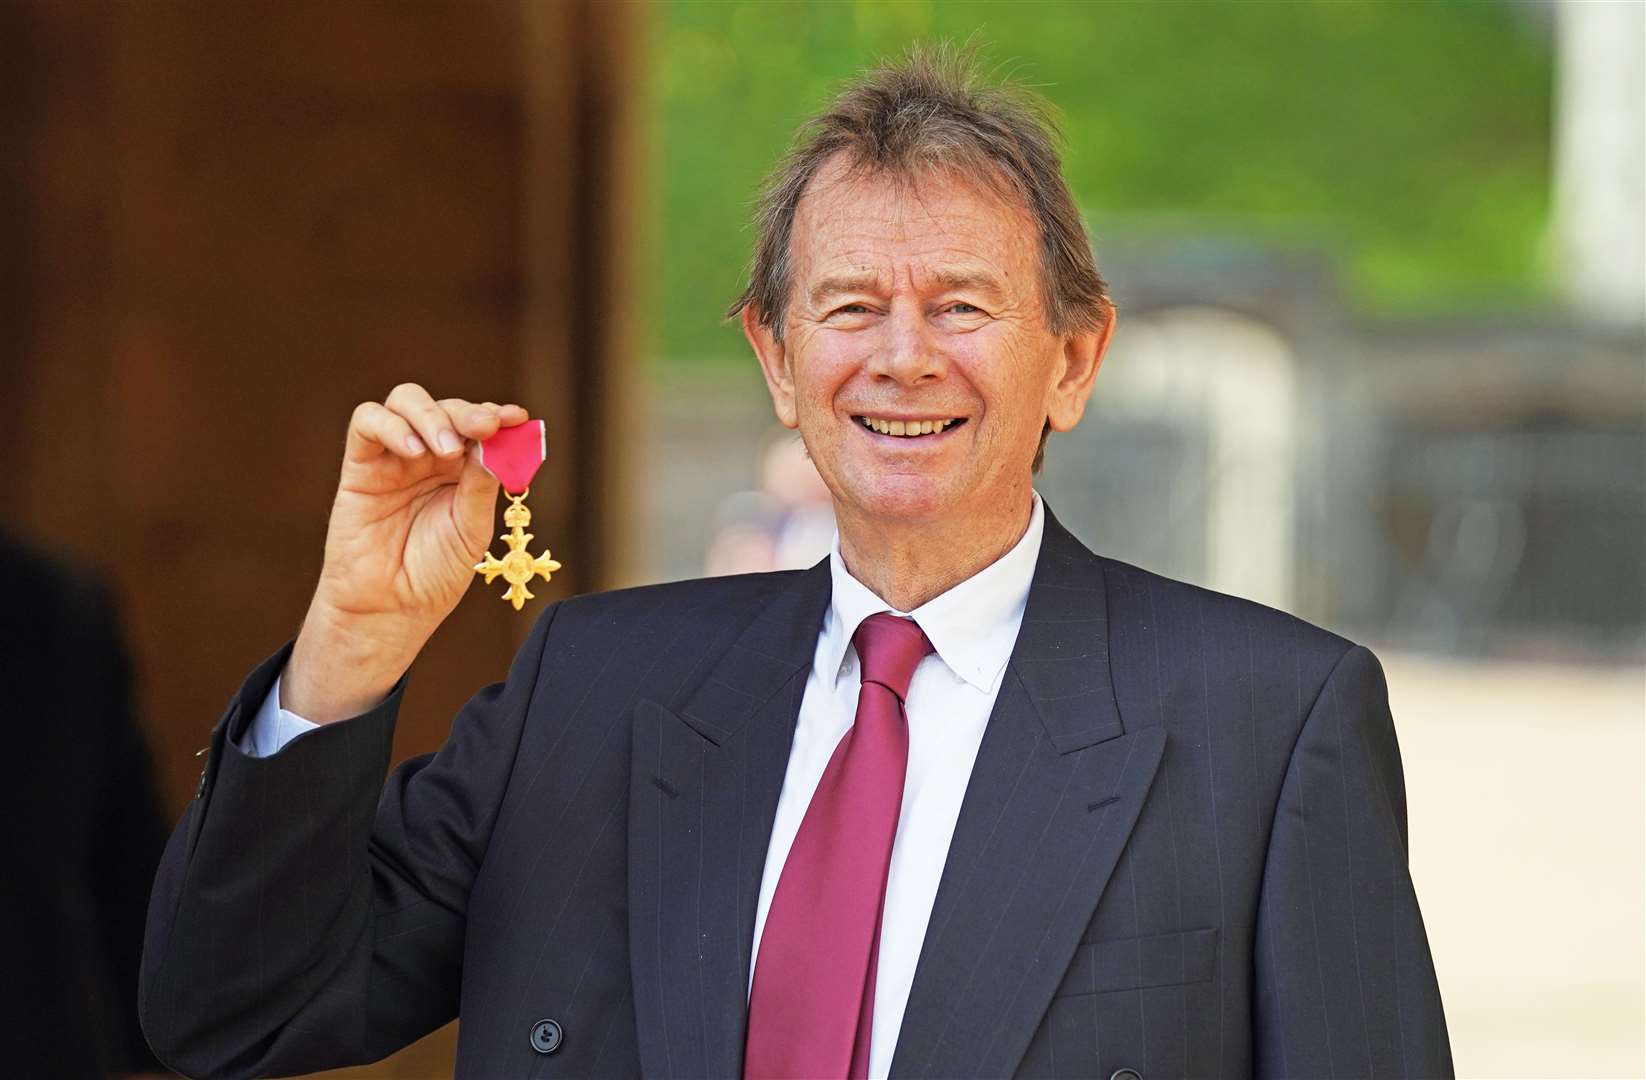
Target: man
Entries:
(964, 799)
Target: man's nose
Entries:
(910, 351)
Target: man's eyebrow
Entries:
(961, 280)
(950, 280)
(835, 284)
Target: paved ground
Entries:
(1527, 802)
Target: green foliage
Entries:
(1411, 139)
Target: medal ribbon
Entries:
(514, 454)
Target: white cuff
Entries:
(272, 727)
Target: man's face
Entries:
(916, 305)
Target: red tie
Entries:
(811, 1009)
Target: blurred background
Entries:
(1381, 362)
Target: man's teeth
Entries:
(904, 427)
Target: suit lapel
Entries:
(1053, 797)
(706, 772)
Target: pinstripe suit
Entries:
(1182, 851)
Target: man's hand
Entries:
(413, 513)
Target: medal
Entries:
(513, 456)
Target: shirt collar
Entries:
(972, 627)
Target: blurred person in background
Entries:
(786, 525)
(83, 828)
(962, 798)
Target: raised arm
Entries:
(307, 915)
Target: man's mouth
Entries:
(909, 429)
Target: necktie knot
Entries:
(889, 648)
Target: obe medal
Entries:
(513, 456)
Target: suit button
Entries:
(1125, 1074)
(546, 1036)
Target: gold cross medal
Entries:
(513, 455)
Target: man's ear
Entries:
(1082, 356)
(774, 365)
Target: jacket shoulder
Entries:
(1178, 628)
(1141, 594)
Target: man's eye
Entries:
(960, 307)
(851, 309)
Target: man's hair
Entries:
(932, 111)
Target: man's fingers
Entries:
(374, 426)
(481, 422)
(507, 415)
(431, 422)
(470, 420)
(441, 426)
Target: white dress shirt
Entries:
(972, 628)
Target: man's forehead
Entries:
(846, 194)
(853, 231)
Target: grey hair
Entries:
(931, 110)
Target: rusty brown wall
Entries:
(221, 226)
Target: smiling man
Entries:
(963, 799)
(904, 325)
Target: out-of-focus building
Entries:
(1466, 485)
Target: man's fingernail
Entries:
(449, 443)
(414, 445)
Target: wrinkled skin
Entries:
(921, 300)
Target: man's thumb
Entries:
(476, 500)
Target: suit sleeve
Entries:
(307, 914)
(1344, 983)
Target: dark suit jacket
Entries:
(1182, 851)
(81, 828)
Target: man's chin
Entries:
(904, 500)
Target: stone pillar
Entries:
(1600, 159)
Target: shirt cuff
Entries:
(273, 727)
